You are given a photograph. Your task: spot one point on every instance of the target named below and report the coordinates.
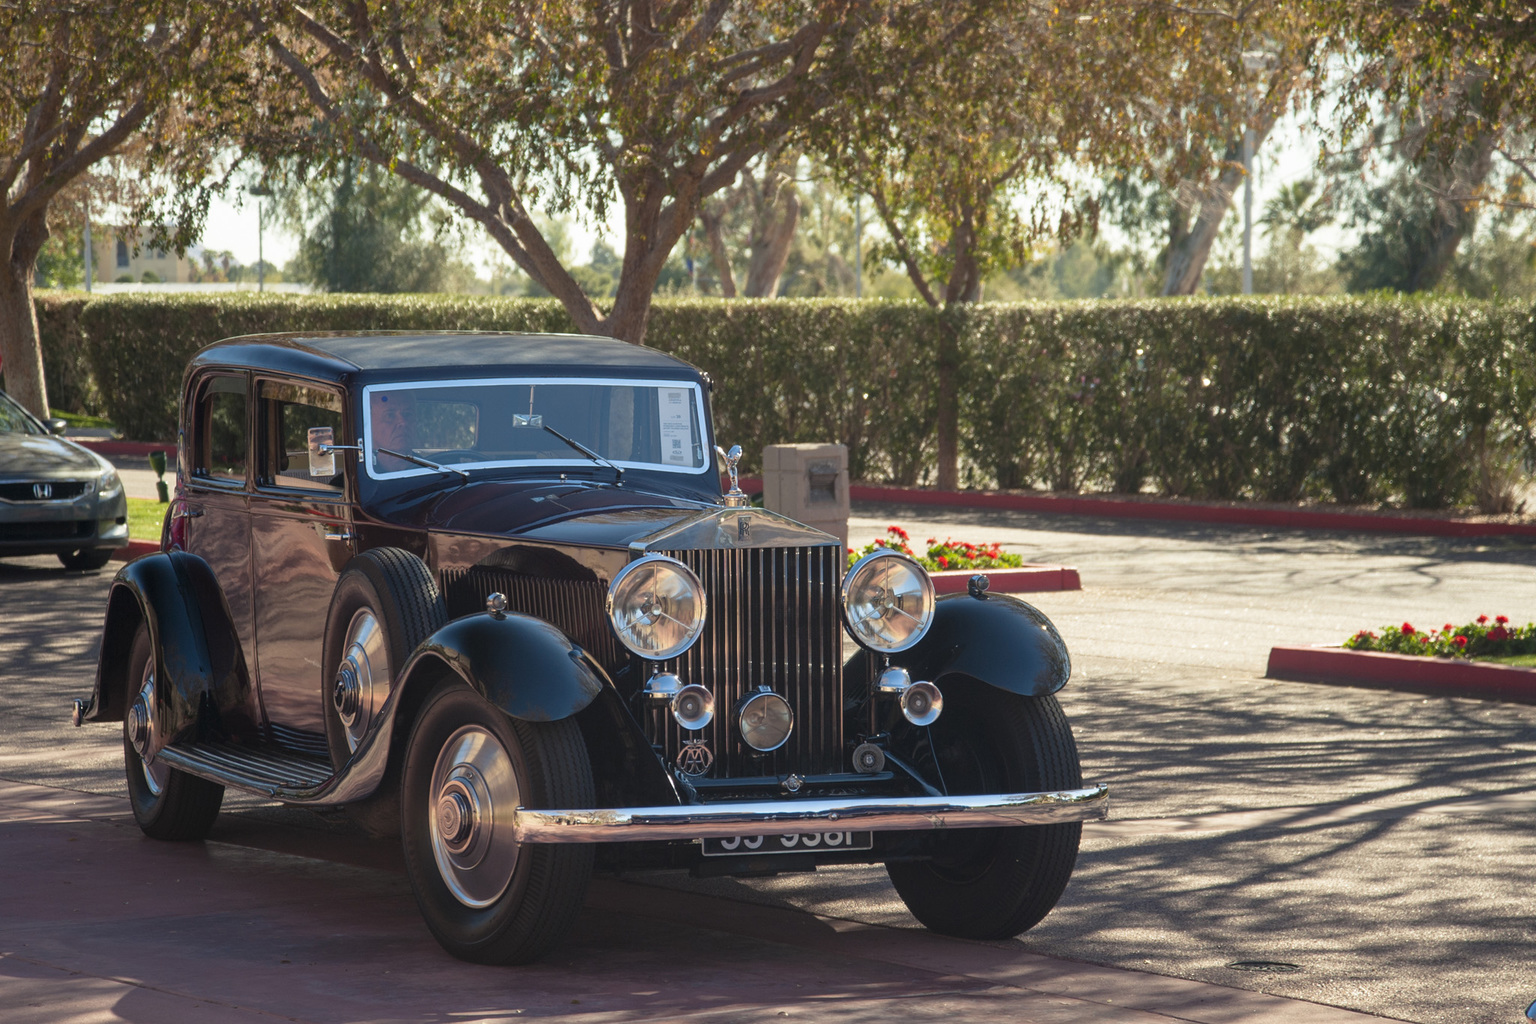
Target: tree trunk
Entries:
(1455, 216)
(1187, 255)
(721, 260)
(772, 235)
(21, 354)
(21, 357)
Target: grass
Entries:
(1512, 660)
(76, 419)
(145, 516)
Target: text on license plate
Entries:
(735, 846)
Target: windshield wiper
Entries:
(589, 453)
(422, 462)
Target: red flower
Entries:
(943, 562)
(1460, 641)
(1498, 633)
(898, 531)
(1447, 628)
(1408, 629)
(1501, 619)
(1482, 619)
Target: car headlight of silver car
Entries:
(887, 601)
(656, 605)
(109, 485)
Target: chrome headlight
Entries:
(887, 601)
(656, 605)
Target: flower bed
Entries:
(951, 565)
(1478, 641)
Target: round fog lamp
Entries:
(693, 706)
(765, 720)
(656, 606)
(887, 601)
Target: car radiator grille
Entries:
(773, 621)
(56, 490)
(574, 607)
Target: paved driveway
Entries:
(1380, 842)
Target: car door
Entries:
(300, 541)
(216, 504)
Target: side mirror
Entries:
(56, 426)
(322, 457)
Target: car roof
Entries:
(340, 355)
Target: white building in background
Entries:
(117, 262)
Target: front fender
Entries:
(521, 664)
(995, 638)
(204, 686)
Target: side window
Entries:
(224, 429)
(288, 411)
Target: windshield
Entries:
(13, 420)
(656, 425)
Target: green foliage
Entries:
(1351, 400)
(1476, 640)
(71, 387)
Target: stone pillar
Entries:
(808, 483)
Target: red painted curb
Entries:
(1121, 508)
(136, 548)
(1023, 580)
(138, 449)
(1439, 677)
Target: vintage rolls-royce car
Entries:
(484, 591)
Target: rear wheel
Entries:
(994, 883)
(167, 804)
(487, 898)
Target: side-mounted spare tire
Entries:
(385, 604)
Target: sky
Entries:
(1289, 155)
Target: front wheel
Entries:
(85, 559)
(167, 804)
(994, 883)
(487, 898)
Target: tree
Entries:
(83, 81)
(576, 103)
(968, 161)
(365, 230)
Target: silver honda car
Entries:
(56, 498)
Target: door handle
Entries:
(186, 512)
(343, 535)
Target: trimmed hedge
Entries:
(71, 384)
(1354, 400)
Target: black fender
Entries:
(519, 663)
(531, 671)
(204, 686)
(994, 638)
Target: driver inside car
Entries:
(393, 415)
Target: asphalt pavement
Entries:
(1377, 842)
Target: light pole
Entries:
(261, 262)
(87, 246)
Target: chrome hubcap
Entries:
(141, 731)
(474, 792)
(362, 680)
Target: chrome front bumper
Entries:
(796, 817)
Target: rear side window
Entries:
(288, 411)
(223, 423)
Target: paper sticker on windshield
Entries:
(676, 426)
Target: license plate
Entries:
(810, 842)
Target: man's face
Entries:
(391, 413)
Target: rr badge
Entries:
(695, 758)
(744, 528)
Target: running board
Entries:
(276, 774)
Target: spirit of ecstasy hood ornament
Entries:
(734, 498)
